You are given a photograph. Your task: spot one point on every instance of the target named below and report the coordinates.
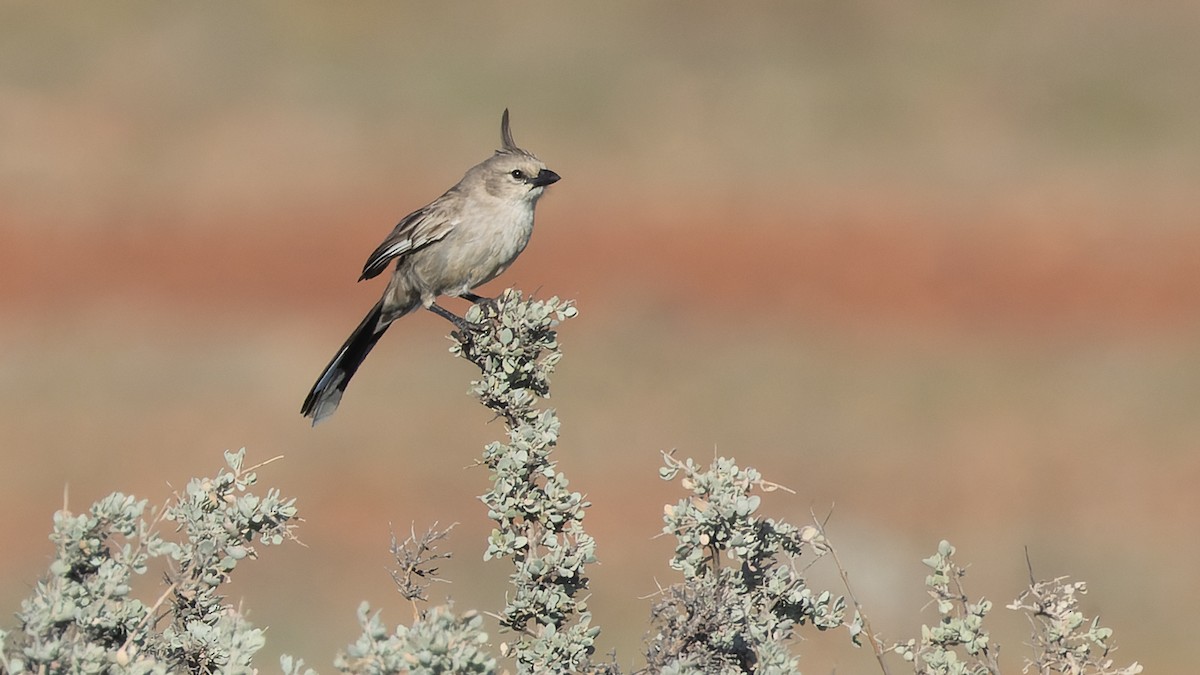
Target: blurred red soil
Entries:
(1003, 274)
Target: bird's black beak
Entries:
(544, 177)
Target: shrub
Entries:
(736, 608)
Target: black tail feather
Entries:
(323, 400)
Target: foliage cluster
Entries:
(737, 607)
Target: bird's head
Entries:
(513, 173)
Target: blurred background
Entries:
(937, 269)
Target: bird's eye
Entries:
(517, 173)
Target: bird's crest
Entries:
(506, 140)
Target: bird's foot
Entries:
(488, 304)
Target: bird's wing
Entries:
(417, 230)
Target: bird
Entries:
(459, 241)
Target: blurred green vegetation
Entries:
(193, 109)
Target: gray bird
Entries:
(461, 240)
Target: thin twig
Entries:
(1029, 564)
(876, 647)
(149, 613)
(261, 464)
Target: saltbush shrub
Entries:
(737, 604)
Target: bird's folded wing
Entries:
(418, 229)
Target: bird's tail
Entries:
(323, 400)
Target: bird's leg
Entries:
(458, 321)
